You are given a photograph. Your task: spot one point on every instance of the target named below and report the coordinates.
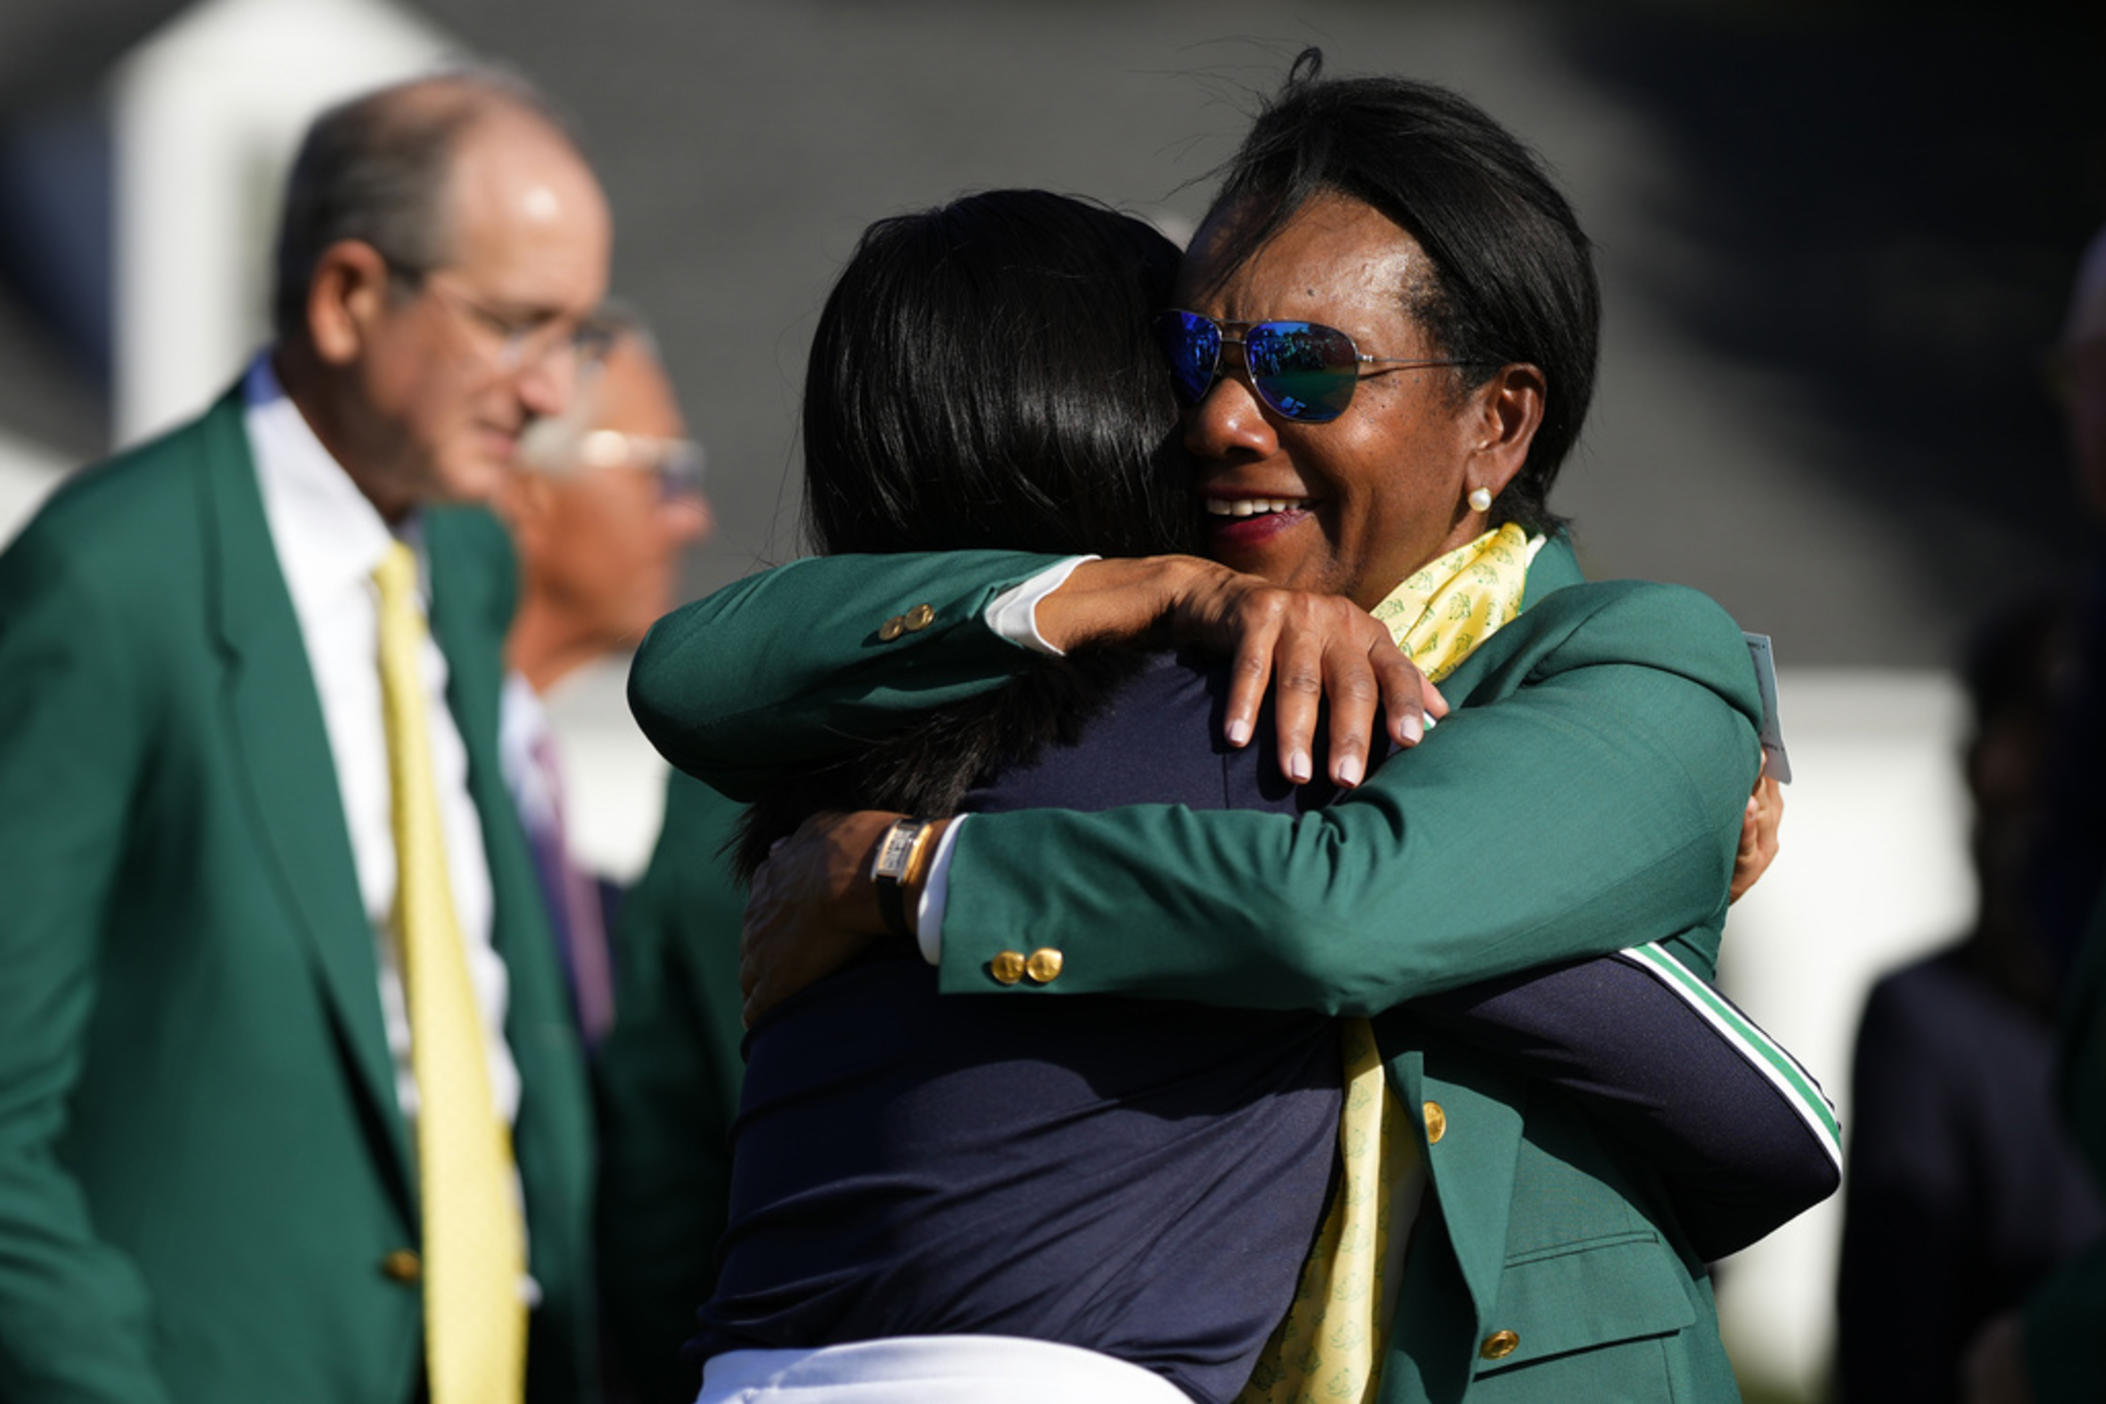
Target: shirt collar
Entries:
(330, 537)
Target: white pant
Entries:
(933, 1370)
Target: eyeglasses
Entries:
(520, 340)
(676, 463)
(1303, 371)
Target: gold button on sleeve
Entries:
(1044, 965)
(1007, 967)
(918, 618)
(402, 1265)
(892, 628)
(1436, 1122)
(1499, 1345)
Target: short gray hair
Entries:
(375, 168)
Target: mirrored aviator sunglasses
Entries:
(1303, 371)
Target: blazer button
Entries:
(917, 618)
(402, 1265)
(1437, 1127)
(892, 628)
(1043, 966)
(1499, 1345)
(1007, 967)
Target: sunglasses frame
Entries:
(1177, 322)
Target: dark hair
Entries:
(1512, 277)
(375, 168)
(983, 376)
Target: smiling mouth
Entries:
(1256, 506)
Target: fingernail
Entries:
(1414, 728)
(1298, 767)
(1349, 771)
(1239, 732)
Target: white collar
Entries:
(330, 537)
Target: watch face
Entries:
(894, 849)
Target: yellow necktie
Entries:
(1329, 1345)
(474, 1241)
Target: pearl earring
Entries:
(1480, 500)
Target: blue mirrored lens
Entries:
(1192, 344)
(1304, 370)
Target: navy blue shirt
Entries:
(1141, 1178)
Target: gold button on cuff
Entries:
(918, 618)
(402, 1266)
(1007, 967)
(1043, 966)
(892, 628)
(1499, 1345)
(1436, 1125)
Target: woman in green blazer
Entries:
(1586, 795)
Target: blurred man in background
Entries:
(286, 1073)
(2053, 1350)
(1964, 1189)
(608, 497)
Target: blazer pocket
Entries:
(1584, 1295)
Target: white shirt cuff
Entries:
(928, 916)
(1013, 614)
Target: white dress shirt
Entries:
(329, 539)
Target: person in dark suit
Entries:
(291, 1107)
(1964, 1189)
(1029, 1201)
(2053, 1348)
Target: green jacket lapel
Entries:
(281, 746)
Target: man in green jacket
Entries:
(232, 1086)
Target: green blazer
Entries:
(1585, 796)
(207, 1191)
(668, 1081)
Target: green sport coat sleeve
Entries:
(74, 1311)
(1586, 795)
(773, 673)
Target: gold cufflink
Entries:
(1007, 967)
(892, 628)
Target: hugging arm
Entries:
(775, 673)
(808, 662)
(1742, 1137)
(1589, 797)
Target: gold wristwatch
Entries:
(900, 855)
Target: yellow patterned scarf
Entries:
(1329, 1346)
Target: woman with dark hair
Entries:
(1060, 1192)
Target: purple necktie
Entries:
(574, 897)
